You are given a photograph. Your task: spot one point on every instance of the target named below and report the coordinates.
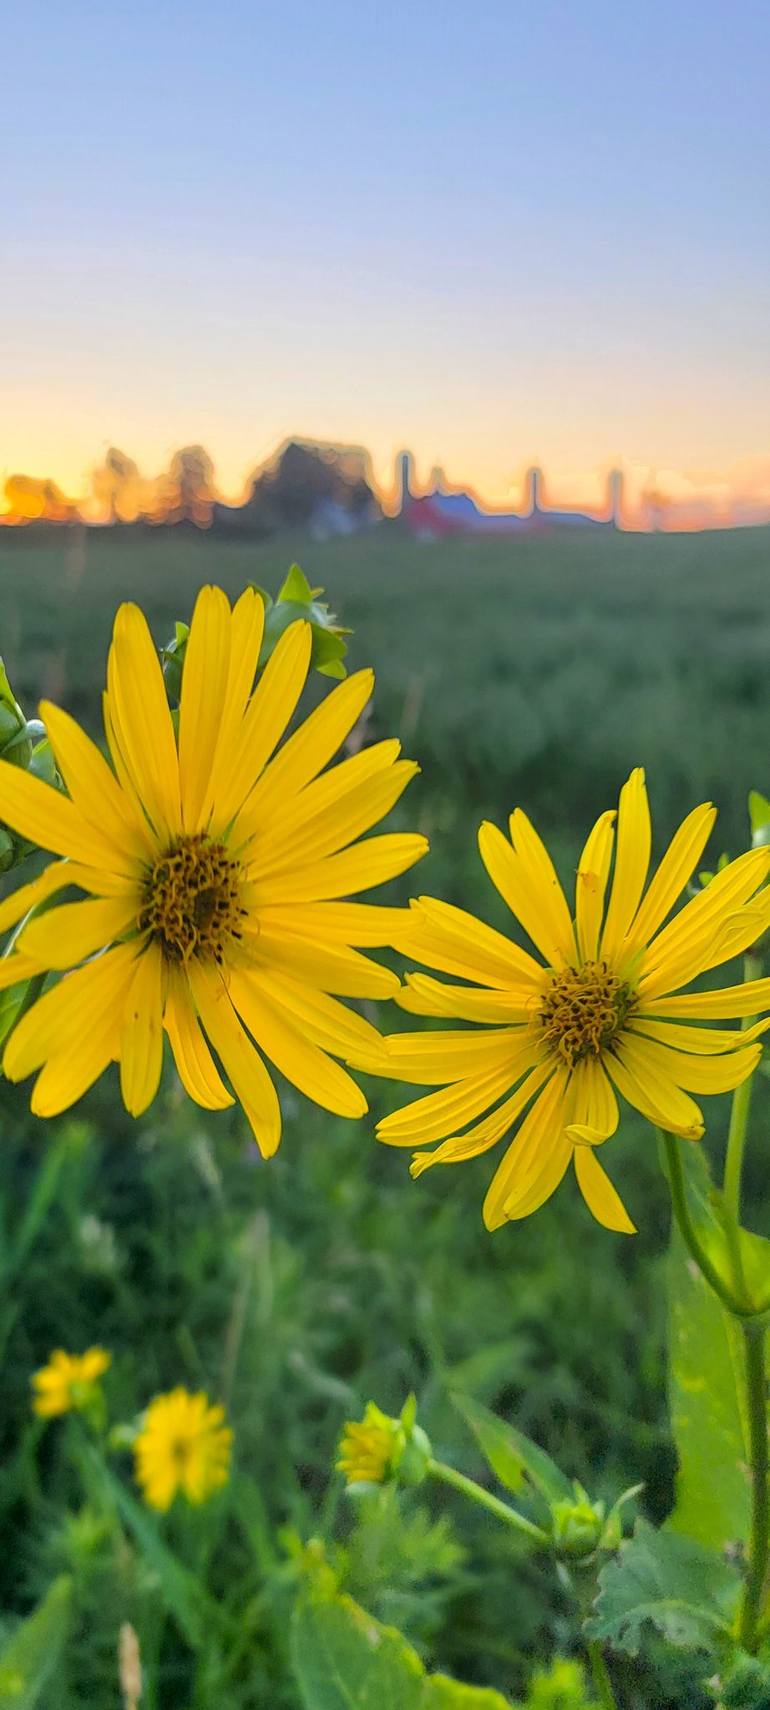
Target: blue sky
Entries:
(494, 232)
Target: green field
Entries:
(536, 672)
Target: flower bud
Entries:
(578, 1526)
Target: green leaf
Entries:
(345, 1660)
(759, 813)
(183, 1594)
(512, 1456)
(31, 1657)
(688, 1593)
(706, 1379)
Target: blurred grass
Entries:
(539, 673)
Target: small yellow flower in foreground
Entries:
(183, 1448)
(66, 1384)
(378, 1448)
(605, 1015)
(366, 1447)
(214, 870)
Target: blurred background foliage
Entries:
(536, 673)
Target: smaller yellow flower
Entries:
(367, 1447)
(375, 1449)
(67, 1382)
(185, 1447)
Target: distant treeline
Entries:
(303, 485)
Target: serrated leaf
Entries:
(669, 1582)
(344, 1659)
(30, 1658)
(512, 1457)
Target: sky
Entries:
(496, 233)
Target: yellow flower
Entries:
(367, 1447)
(605, 1015)
(213, 869)
(67, 1382)
(183, 1447)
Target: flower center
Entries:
(192, 900)
(583, 1010)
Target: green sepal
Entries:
(297, 600)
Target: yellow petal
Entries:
(68, 1074)
(592, 1102)
(320, 799)
(688, 938)
(459, 1147)
(69, 1011)
(591, 884)
(676, 868)
(140, 709)
(364, 924)
(203, 703)
(600, 1196)
(39, 812)
(303, 1063)
(53, 878)
(14, 969)
(447, 938)
(264, 722)
(324, 1021)
(442, 1113)
(543, 881)
(141, 1039)
(748, 999)
(329, 967)
(528, 1195)
(64, 936)
(195, 1065)
(242, 1062)
(534, 1141)
(326, 834)
(423, 995)
(632, 859)
(93, 786)
(527, 898)
(367, 864)
(685, 1069)
(432, 1059)
(661, 1101)
(314, 743)
(705, 1041)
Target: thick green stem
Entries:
(741, 1308)
(736, 1143)
(759, 1542)
(484, 1499)
(600, 1675)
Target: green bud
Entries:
(577, 1526)
(382, 1450)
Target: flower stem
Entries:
(600, 1674)
(736, 1142)
(759, 1543)
(739, 1307)
(485, 1499)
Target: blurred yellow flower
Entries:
(213, 870)
(367, 1447)
(604, 1015)
(184, 1448)
(67, 1382)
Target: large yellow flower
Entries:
(213, 869)
(184, 1447)
(605, 1015)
